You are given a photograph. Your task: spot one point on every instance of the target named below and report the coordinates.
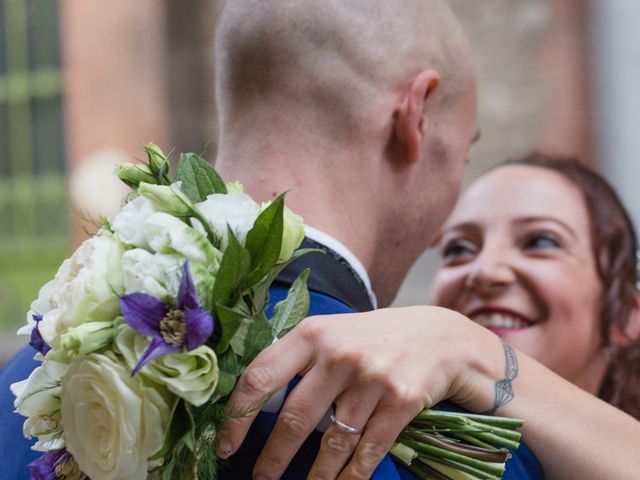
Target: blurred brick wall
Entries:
(134, 72)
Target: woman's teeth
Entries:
(499, 320)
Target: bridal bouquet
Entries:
(144, 330)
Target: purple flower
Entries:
(37, 341)
(170, 327)
(44, 468)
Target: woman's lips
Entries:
(500, 318)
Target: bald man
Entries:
(364, 110)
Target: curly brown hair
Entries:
(615, 248)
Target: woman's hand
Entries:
(380, 368)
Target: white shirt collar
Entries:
(341, 249)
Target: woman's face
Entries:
(516, 257)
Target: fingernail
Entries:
(224, 449)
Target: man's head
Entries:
(365, 103)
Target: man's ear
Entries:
(411, 117)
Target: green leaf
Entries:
(258, 337)
(229, 322)
(199, 179)
(238, 340)
(167, 469)
(290, 311)
(264, 241)
(261, 289)
(226, 383)
(181, 432)
(230, 363)
(230, 370)
(234, 268)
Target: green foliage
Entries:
(180, 434)
(229, 322)
(196, 461)
(234, 268)
(261, 290)
(291, 311)
(258, 337)
(264, 241)
(198, 178)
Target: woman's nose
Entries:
(491, 272)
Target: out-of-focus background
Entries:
(84, 83)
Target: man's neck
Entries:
(321, 203)
(335, 193)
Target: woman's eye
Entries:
(542, 241)
(457, 250)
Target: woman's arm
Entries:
(382, 367)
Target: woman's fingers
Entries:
(306, 406)
(266, 375)
(381, 432)
(353, 410)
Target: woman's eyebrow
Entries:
(460, 226)
(557, 221)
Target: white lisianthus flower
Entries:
(113, 422)
(86, 288)
(127, 224)
(86, 338)
(191, 375)
(38, 398)
(169, 199)
(292, 233)
(237, 210)
(167, 234)
(159, 275)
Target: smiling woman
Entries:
(542, 252)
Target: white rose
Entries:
(127, 223)
(167, 234)
(86, 288)
(38, 397)
(157, 275)
(160, 274)
(112, 422)
(237, 210)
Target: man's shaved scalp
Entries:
(326, 61)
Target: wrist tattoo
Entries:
(504, 389)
